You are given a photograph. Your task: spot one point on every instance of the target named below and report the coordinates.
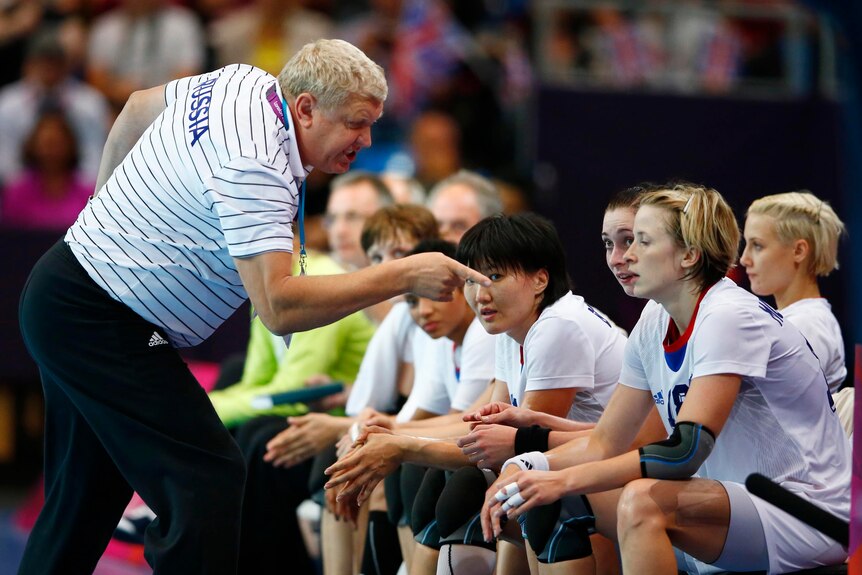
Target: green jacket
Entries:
(335, 350)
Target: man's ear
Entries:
(303, 109)
(801, 250)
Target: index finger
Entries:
(470, 275)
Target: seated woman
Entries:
(790, 240)
(739, 391)
(531, 309)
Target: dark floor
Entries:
(13, 538)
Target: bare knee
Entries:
(638, 510)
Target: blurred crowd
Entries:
(687, 45)
(460, 74)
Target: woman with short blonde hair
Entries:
(791, 239)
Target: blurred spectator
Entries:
(418, 42)
(70, 18)
(433, 61)
(685, 45)
(514, 197)
(266, 33)
(51, 192)
(140, 44)
(704, 49)
(353, 197)
(46, 82)
(18, 19)
(460, 201)
(435, 144)
(405, 189)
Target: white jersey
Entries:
(391, 345)
(814, 318)
(456, 374)
(215, 177)
(570, 345)
(782, 425)
(420, 346)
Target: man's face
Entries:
(332, 138)
(346, 212)
(457, 210)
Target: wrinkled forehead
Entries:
(358, 108)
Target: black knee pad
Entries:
(411, 480)
(459, 505)
(392, 491)
(422, 520)
(560, 531)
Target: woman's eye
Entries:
(495, 277)
(609, 245)
(629, 242)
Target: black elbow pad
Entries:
(680, 455)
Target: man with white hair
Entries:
(459, 201)
(199, 184)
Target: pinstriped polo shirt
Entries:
(214, 177)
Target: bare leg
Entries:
(605, 553)
(408, 545)
(359, 537)
(338, 544)
(653, 516)
(511, 558)
(424, 560)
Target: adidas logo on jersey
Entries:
(156, 339)
(659, 398)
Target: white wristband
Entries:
(533, 460)
(354, 431)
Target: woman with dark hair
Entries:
(529, 306)
(51, 191)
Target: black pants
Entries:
(271, 541)
(122, 415)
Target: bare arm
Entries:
(708, 402)
(614, 433)
(652, 430)
(142, 108)
(288, 304)
(555, 402)
(449, 425)
(606, 460)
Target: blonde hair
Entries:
(333, 71)
(802, 215)
(699, 217)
